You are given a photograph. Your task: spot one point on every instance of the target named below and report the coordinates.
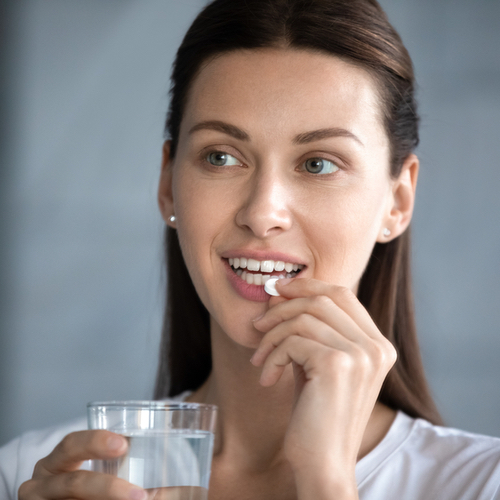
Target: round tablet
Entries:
(270, 287)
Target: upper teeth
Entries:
(266, 266)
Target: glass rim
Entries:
(153, 405)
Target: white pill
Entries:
(270, 287)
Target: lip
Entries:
(255, 293)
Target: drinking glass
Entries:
(170, 445)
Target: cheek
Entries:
(202, 220)
(344, 234)
(192, 228)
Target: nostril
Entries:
(264, 225)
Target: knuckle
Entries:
(343, 292)
(378, 352)
(339, 360)
(364, 359)
(320, 302)
(391, 355)
(39, 467)
(73, 483)
(109, 486)
(301, 321)
(290, 344)
(25, 490)
(291, 341)
(364, 362)
(66, 444)
(384, 354)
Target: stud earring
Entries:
(387, 232)
(172, 219)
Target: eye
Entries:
(220, 159)
(320, 166)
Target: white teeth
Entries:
(267, 266)
(253, 265)
(279, 266)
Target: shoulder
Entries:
(420, 460)
(444, 440)
(19, 456)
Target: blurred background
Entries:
(83, 98)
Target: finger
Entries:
(293, 349)
(319, 306)
(342, 296)
(82, 485)
(304, 325)
(324, 363)
(79, 446)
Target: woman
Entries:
(290, 146)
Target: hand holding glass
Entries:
(170, 445)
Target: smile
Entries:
(248, 269)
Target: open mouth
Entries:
(257, 272)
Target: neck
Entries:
(252, 419)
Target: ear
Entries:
(165, 196)
(400, 207)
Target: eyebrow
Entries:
(223, 127)
(325, 133)
(304, 138)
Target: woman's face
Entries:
(282, 157)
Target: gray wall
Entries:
(86, 90)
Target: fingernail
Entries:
(115, 443)
(284, 281)
(138, 495)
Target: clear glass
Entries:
(170, 445)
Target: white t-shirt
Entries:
(415, 461)
(419, 461)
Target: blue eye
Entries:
(320, 166)
(220, 159)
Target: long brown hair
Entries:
(357, 31)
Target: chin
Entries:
(239, 332)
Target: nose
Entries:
(266, 208)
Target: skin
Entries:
(296, 378)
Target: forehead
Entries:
(287, 90)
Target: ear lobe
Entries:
(400, 210)
(165, 194)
